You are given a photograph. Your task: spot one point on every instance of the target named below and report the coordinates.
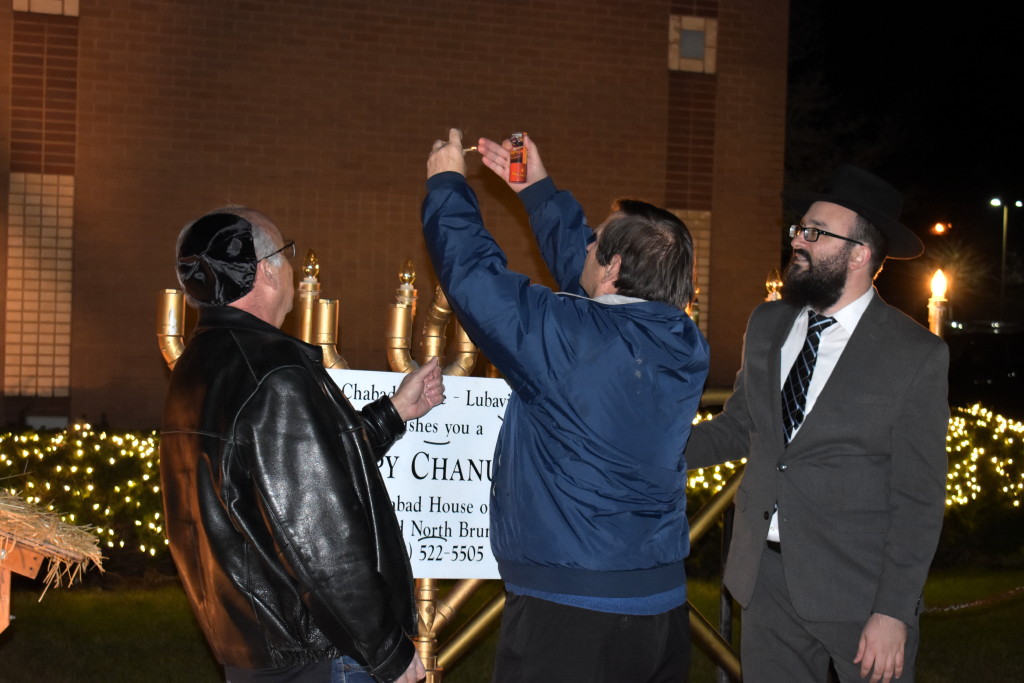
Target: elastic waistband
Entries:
(630, 583)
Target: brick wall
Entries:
(321, 115)
(747, 179)
(39, 213)
(6, 38)
(724, 165)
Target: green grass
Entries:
(101, 636)
(148, 634)
(977, 643)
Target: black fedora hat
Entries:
(871, 197)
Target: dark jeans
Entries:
(544, 642)
(342, 670)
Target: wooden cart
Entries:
(28, 535)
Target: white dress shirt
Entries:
(833, 343)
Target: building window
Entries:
(692, 44)
(37, 295)
(67, 8)
(38, 329)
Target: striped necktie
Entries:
(794, 391)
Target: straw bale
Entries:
(70, 549)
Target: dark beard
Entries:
(817, 285)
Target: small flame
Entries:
(939, 285)
(774, 285)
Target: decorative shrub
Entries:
(110, 483)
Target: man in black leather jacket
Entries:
(278, 518)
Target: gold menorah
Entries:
(433, 340)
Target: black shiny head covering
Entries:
(217, 259)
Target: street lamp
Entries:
(1002, 268)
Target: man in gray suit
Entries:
(840, 407)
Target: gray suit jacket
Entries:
(861, 488)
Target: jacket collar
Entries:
(231, 318)
(618, 299)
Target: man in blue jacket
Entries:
(588, 508)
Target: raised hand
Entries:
(447, 156)
(495, 156)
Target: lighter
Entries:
(517, 159)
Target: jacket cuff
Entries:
(383, 425)
(901, 608)
(396, 664)
(445, 179)
(538, 193)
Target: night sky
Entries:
(927, 101)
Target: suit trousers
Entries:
(545, 642)
(777, 645)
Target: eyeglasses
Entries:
(288, 246)
(812, 234)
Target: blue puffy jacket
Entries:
(589, 478)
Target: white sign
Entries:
(439, 474)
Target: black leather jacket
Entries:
(278, 518)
